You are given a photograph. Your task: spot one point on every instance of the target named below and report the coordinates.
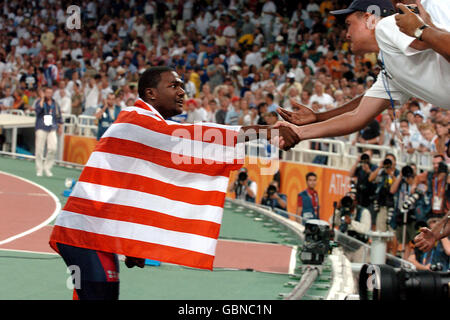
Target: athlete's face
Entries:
(169, 96)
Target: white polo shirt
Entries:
(422, 74)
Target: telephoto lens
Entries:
(382, 282)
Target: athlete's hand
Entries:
(130, 262)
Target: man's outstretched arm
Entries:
(307, 116)
(343, 124)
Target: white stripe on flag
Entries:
(179, 144)
(151, 170)
(137, 199)
(139, 232)
(142, 112)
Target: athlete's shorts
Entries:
(95, 274)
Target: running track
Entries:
(26, 209)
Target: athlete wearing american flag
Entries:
(152, 188)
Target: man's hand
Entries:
(304, 116)
(425, 240)
(284, 137)
(408, 22)
(130, 262)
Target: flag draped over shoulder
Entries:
(153, 189)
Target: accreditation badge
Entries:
(48, 120)
(437, 203)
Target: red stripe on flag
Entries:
(133, 248)
(152, 186)
(142, 216)
(204, 133)
(164, 158)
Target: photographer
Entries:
(436, 181)
(361, 170)
(355, 221)
(272, 198)
(243, 187)
(383, 203)
(406, 195)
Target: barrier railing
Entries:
(333, 153)
(87, 126)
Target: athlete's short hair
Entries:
(150, 79)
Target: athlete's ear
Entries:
(150, 94)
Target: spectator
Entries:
(271, 105)
(7, 101)
(284, 88)
(216, 73)
(48, 125)
(324, 99)
(443, 136)
(308, 200)
(106, 114)
(196, 112)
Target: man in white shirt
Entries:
(324, 99)
(409, 70)
(254, 57)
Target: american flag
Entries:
(153, 189)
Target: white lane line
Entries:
(44, 223)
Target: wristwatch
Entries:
(418, 32)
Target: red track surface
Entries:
(22, 206)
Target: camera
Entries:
(364, 158)
(407, 172)
(410, 201)
(271, 190)
(242, 176)
(346, 210)
(386, 283)
(414, 9)
(387, 163)
(317, 242)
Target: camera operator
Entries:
(272, 198)
(406, 195)
(361, 171)
(243, 187)
(383, 203)
(355, 221)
